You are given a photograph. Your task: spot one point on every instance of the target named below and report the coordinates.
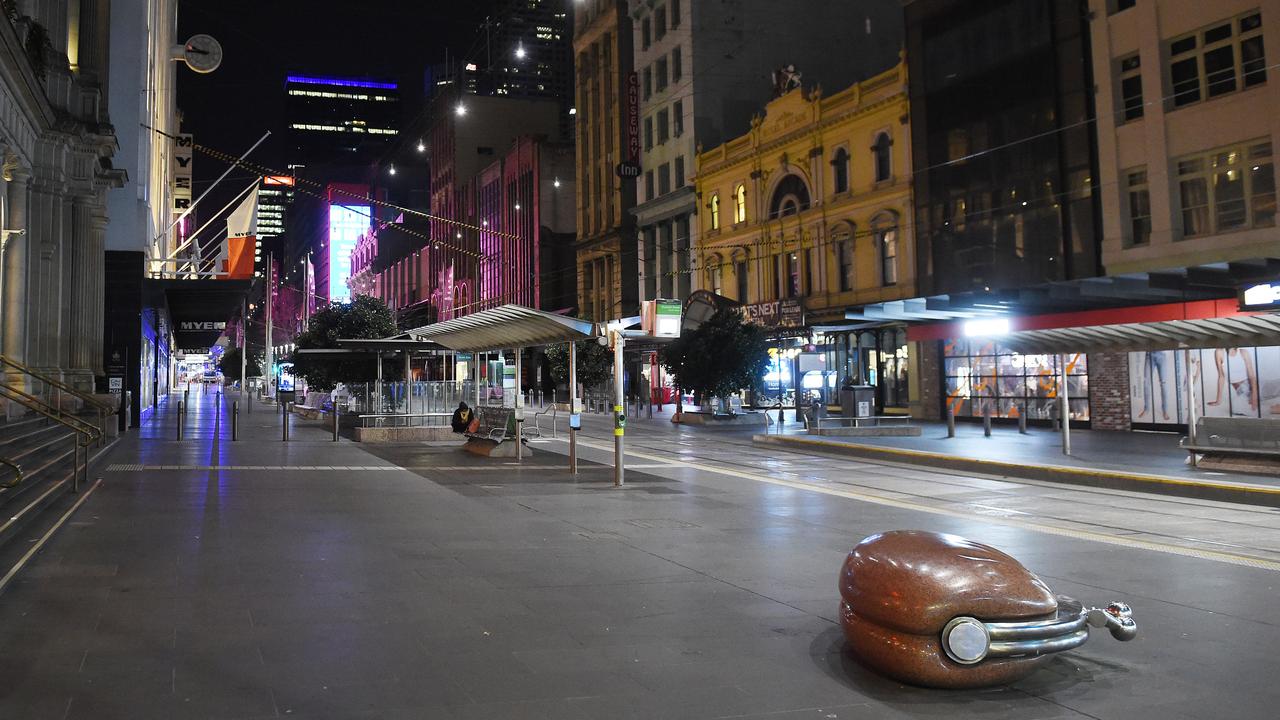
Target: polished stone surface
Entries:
(440, 585)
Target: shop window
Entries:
(1139, 208)
(982, 375)
(740, 204)
(1217, 60)
(840, 164)
(1227, 190)
(715, 212)
(1131, 87)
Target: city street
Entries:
(256, 579)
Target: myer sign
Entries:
(201, 326)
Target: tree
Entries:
(595, 363)
(722, 356)
(364, 318)
(229, 364)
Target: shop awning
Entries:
(1172, 326)
(510, 326)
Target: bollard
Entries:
(1022, 422)
(335, 422)
(235, 420)
(284, 424)
(986, 421)
(180, 413)
(248, 398)
(951, 421)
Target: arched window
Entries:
(740, 204)
(790, 197)
(715, 211)
(884, 230)
(840, 163)
(881, 158)
(842, 244)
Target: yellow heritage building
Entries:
(809, 214)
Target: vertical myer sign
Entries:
(630, 165)
(180, 169)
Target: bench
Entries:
(497, 425)
(865, 426)
(1235, 436)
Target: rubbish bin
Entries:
(857, 400)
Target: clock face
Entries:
(202, 53)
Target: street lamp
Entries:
(461, 110)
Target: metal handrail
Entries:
(17, 469)
(555, 412)
(104, 407)
(86, 434)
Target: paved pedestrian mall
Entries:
(206, 578)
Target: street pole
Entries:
(1191, 404)
(1064, 407)
(619, 420)
(408, 395)
(519, 410)
(573, 407)
(269, 370)
(244, 344)
(377, 387)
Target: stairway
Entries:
(46, 453)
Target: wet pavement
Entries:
(313, 579)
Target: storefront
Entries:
(877, 356)
(983, 375)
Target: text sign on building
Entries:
(632, 114)
(778, 313)
(346, 224)
(1265, 296)
(180, 170)
(201, 326)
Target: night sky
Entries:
(264, 40)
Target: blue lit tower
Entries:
(340, 121)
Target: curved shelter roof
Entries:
(509, 326)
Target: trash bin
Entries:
(857, 400)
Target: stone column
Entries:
(44, 291)
(81, 301)
(15, 302)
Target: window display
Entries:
(1229, 382)
(983, 373)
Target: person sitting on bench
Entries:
(462, 418)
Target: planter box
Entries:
(719, 420)
(405, 434)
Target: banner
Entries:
(242, 240)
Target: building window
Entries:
(844, 259)
(650, 263)
(1226, 190)
(885, 232)
(677, 118)
(740, 204)
(679, 178)
(648, 185)
(664, 126)
(1131, 87)
(1139, 208)
(677, 64)
(645, 34)
(740, 276)
(715, 275)
(660, 22)
(776, 287)
(664, 179)
(660, 80)
(648, 133)
(794, 276)
(1118, 5)
(648, 82)
(715, 212)
(675, 13)
(841, 165)
(1217, 60)
(880, 157)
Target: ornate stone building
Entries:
(58, 146)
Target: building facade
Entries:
(58, 147)
(700, 85)
(607, 135)
(340, 120)
(806, 216)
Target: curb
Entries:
(1242, 493)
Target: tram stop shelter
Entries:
(1187, 326)
(514, 327)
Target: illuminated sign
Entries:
(661, 318)
(277, 180)
(180, 170)
(1265, 296)
(346, 224)
(994, 326)
(632, 111)
(193, 326)
(341, 82)
(778, 313)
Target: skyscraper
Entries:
(340, 121)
